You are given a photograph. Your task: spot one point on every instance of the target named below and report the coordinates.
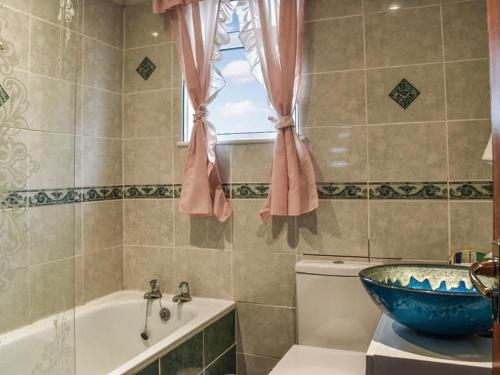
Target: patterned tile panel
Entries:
(471, 190)
(408, 190)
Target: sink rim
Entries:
(366, 278)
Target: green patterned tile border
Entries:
(249, 191)
(149, 191)
(408, 190)
(458, 190)
(342, 190)
(470, 190)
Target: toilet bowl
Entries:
(335, 320)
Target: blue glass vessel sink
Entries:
(434, 299)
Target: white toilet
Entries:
(335, 319)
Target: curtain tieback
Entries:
(282, 122)
(201, 114)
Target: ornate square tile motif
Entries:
(404, 93)
(146, 68)
(3, 96)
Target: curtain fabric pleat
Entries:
(198, 35)
(272, 32)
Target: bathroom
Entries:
(390, 119)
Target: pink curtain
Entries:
(272, 33)
(198, 32)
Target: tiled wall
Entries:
(60, 128)
(396, 183)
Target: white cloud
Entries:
(244, 107)
(238, 71)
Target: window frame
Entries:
(229, 138)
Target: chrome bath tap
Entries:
(183, 295)
(155, 290)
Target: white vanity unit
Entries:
(396, 349)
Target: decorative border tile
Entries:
(342, 190)
(471, 190)
(249, 191)
(149, 191)
(408, 190)
(458, 190)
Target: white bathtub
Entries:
(106, 336)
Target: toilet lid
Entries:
(310, 360)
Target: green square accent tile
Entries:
(152, 369)
(225, 365)
(187, 359)
(219, 337)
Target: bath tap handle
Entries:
(155, 285)
(184, 288)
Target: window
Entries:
(241, 109)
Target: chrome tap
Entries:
(183, 295)
(155, 290)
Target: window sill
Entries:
(234, 142)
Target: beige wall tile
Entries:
(465, 30)
(51, 54)
(428, 106)
(148, 222)
(254, 364)
(409, 230)
(161, 78)
(148, 161)
(49, 10)
(244, 166)
(411, 152)
(177, 111)
(16, 31)
(102, 161)
(466, 143)
(148, 114)
(265, 330)
(51, 232)
(51, 288)
(406, 36)
(336, 228)
(333, 99)
(334, 44)
(102, 225)
(143, 264)
(319, 9)
(102, 65)
(471, 225)
(55, 110)
(250, 233)
(23, 5)
(14, 301)
(262, 277)
(208, 272)
(143, 28)
(466, 95)
(103, 273)
(102, 113)
(339, 153)
(79, 287)
(54, 154)
(201, 232)
(14, 239)
(104, 21)
(382, 5)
